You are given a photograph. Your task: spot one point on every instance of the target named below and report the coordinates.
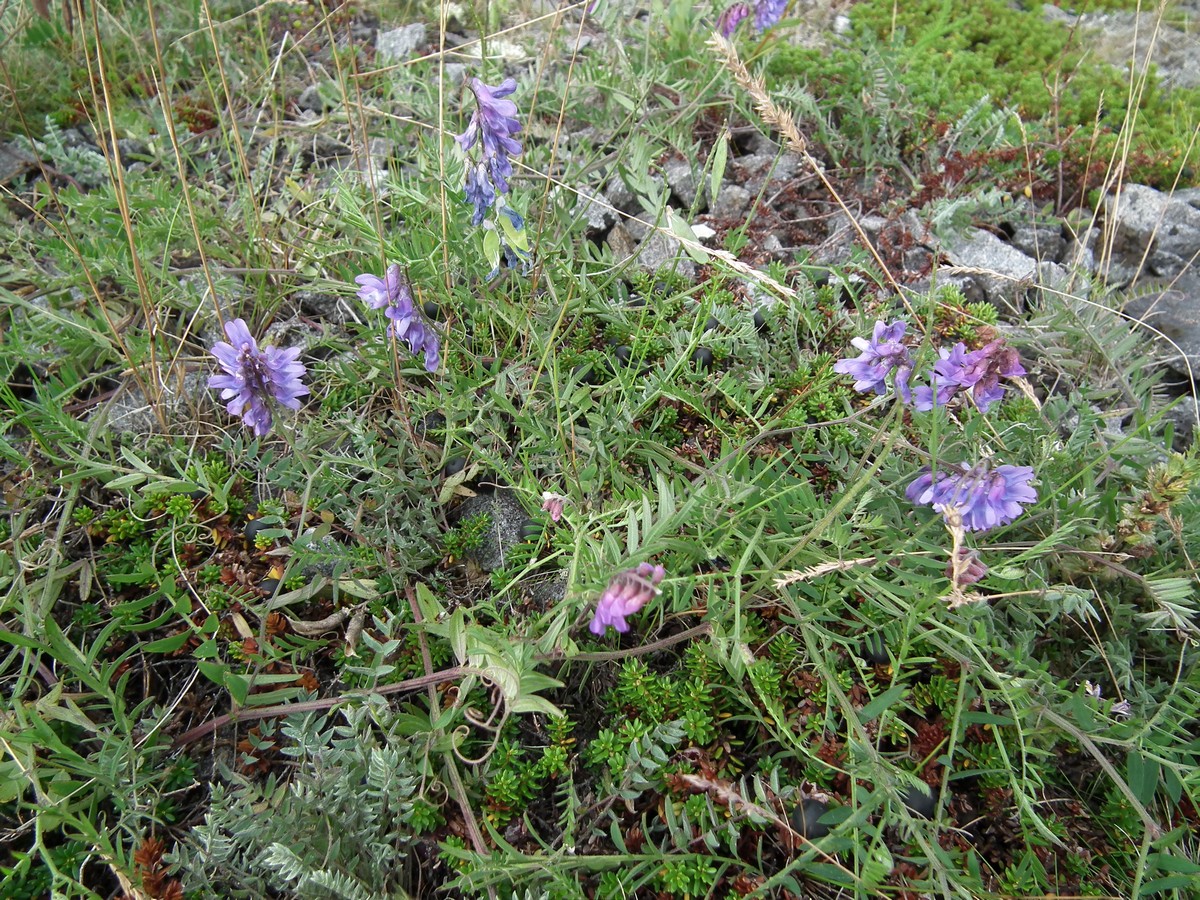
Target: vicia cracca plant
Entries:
(393, 294)
(490, 133)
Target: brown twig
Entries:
(286, 709)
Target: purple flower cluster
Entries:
(254, 378)
(493, 124)
(766, 14)
(975, 372)
(883, 354)
(984, 497)
(393, 295)
(626, 593)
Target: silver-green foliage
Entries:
(339, 828)
(85, 165)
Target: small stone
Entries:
(310, 100)
(253, 527)
(731, 204)
(453, 466)
(919, 802)
(594, 210)
(432, 311)
(624, 354)
(399, 43)
(681, 180)
(805, 819)
(703, 358)
(269, 585)
(874, 650)
(760, 321)
(711, 323)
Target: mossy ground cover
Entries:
(330, 660)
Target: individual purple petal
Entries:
(254, 377)
(978, 371)
(553, 503)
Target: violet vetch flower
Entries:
(253, 378)
(626, 593)
(882, 354)
(732, 17)
(768, 13)
(553, 504)
(393, 295)
(978, 372)
(984, 497)
(493, 125)
(1122, 709)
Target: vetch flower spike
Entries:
(883, 354)
(393, 295)
(984, 497)
(553, 503)
(732, 17)
(493, 125)
(626, 593)
(254, 378)
(978, 371)
(768, 13)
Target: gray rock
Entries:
(1183, 416)
(1040, 240)
(732, 203)
(682, 180)
(327, 307)
(310, 100)
(1000, 270)
(619, 195)
(398, 44)
(594, 210)
(325, 554)
(1175, 312)
(507, 515)
(130, 149)
(657, 251)
(14, 161)
(1190, 196)
(786, 167)
(292, 333)
(637, 228)
(1143, 222)
(1119, 37)
(774, 246)
(454, 73)
(546, 590)
(176, 404)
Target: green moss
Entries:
(912, 70)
